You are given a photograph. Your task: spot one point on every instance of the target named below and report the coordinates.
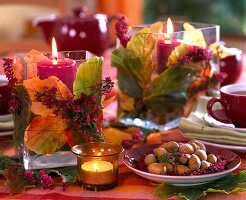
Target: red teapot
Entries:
(80, 32)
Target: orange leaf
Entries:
(45, 134)
(36, 85)
(109, 98)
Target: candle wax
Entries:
(97, 172)
(65, 69)
(164, 50)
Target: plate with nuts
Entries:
(182, 164)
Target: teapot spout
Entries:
(46, 23)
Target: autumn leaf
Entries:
(228, 184)
(45, 134)
(88, 74)
(35, 85)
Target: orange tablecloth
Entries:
(131, 186)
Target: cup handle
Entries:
(210, 104)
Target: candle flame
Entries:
(54, 51)
(169, 28)
(99, 154)
(95, 166)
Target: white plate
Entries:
(233, 162)
(213, 122)
(241, 149)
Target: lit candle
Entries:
(165, 47)
(63, 68)
(97, 172)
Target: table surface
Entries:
(130, 185)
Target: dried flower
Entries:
(122, 30)
(14, 103)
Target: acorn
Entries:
(194, 162)
(187, 148)
(150, 159)
(159, 151)
(172, 147)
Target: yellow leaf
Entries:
(35, 85)
(45, 134)
(115, 135)
(193, 36)
(126, 102)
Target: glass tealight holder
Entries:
(97, 164)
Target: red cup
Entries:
(4, 95)
(233, 100)
(231, 66)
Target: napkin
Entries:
(6, 122)
(194, 127)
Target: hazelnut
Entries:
(157, 168)
(202, 146)
(187, 148)
(162, 145)
(159, 151)
(168, 166)
(172, 146)
(194, 162)
(212, 158)
(184, 159)
(150, 159)
(195, 146)
(201, 154)
(205, 164)
(182, 170)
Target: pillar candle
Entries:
(65, 69)
(164, 50)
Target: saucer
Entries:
(6, 133)
(213, 122)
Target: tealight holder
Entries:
(97, 164)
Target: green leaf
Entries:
(136, 58)
(228, 184)
(168, 90)
(23, 118)
(16, 184)
(88, 74)
(128, 84)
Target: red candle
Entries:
(165, 47)
(65, 69)
(164, 50)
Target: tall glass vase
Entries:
(43, 136)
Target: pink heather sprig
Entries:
(206, 83)
(127, 143)
(121, 31)
(105, 86)
(14, 103)
(83, 111)
(36, 179)
(196, 54)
